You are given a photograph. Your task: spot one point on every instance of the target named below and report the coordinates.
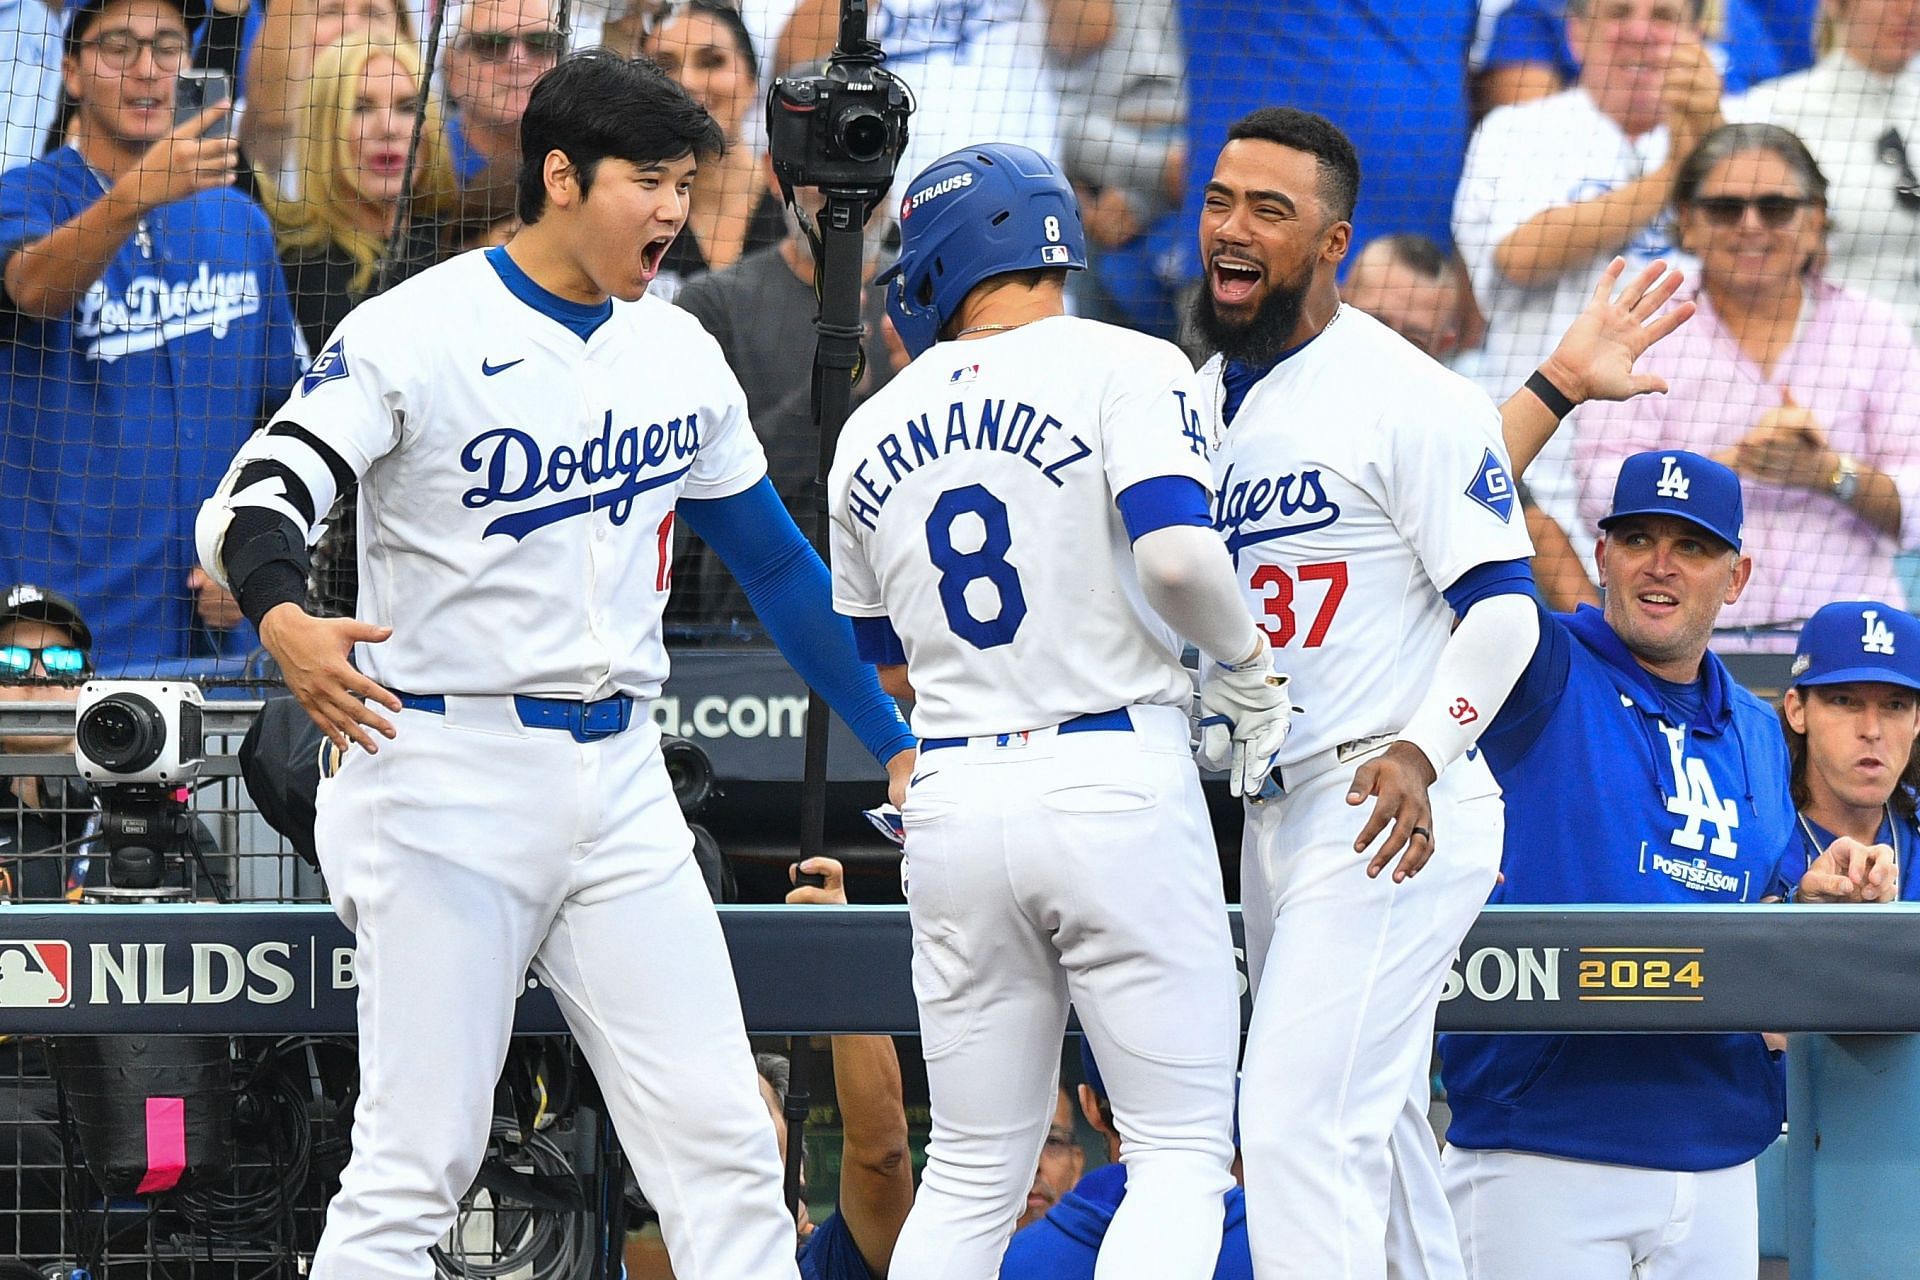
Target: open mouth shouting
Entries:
(651, 254)
(1233, 278)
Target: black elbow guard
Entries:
(266, 561)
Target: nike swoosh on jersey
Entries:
(488, 368)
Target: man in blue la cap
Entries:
(1635, 771)
(1850, 718)
(1065, 1244)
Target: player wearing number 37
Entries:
(1636, 771)
(1019, 531)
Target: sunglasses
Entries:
(54, 659)
(1893, 151)
(497, 46)
(1775, 211)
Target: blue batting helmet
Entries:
(978, 212)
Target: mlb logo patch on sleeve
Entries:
(36, 975)
(1491, 488)
(326, 367)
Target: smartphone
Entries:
(197, 88)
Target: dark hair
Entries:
(721, 12)
(1731, 140)
(597, 104)
(1418, 253)
(1320, 138)
(1906, 793)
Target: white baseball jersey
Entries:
(973, 506)
(1374, 479)
(490, 507)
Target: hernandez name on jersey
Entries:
(954, 488)
(1344, 539)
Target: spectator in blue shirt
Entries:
(144, 331)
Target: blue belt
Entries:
(586, 721)
(1116, 721)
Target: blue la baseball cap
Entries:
(1859, 641)
(1674, 482)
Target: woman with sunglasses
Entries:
(1809, 390)
(1858, 109)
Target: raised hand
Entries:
(1596, 356)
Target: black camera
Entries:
(846, 127)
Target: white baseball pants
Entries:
(1523, 1216)
(1347, 973)
(470, 849)
(1057, 868)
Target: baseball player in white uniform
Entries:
(1364, 496)
(1019, 530)
(525, 427)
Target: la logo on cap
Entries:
(1673, 481)
(1878, 638)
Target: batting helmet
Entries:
(978, 212)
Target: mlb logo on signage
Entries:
(36, 975)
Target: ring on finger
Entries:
(1422, 831)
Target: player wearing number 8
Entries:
(1019, 529)
(1636, 771)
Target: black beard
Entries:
(1258, 341)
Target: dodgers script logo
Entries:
(154, 311)
(36, 975)
(1878, 637)
(1298, 500)
(514, 468)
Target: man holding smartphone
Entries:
(144, 330)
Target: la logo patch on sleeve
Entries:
(1492, 488)
(326, 367)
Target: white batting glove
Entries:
(1245, 713)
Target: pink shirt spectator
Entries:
(1853, 363)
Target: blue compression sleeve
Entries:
(791, 591)
(1162, 502)
(877, 642)
(1494, 578)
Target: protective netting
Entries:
(164, 285)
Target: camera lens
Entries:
(862, 133)
(690, 771)
(122, 733)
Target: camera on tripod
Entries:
(139, 731)
(138, 742)
(844, 128)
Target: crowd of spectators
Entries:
(166, 273)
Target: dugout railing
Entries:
(1829, 974)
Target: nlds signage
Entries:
(193, 973)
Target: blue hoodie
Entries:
(1064, 1244)
(1622, 788)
